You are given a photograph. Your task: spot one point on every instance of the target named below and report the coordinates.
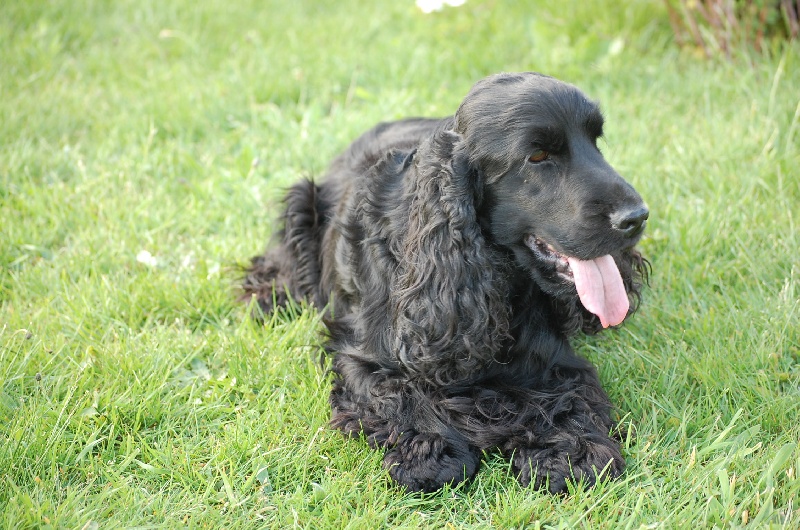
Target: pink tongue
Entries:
(600, 289)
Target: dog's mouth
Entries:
(597, 281)
(546, 254)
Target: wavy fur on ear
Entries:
(447, 305)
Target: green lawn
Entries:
(143, 149)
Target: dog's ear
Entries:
(447, 304)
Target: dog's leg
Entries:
(291, 270)
(428, 461)
(422, 454)
(571, 440)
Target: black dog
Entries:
(455, 258)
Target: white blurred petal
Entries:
(429, 6)
(144, 257)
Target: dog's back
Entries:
(371, 146)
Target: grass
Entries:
(136, 393)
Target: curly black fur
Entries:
(449, 327)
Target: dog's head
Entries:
(549, 196)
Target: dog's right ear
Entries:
(447, 305)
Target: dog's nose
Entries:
(630, 222)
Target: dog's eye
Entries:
(540, 155)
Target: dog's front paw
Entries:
(427, 461)
(553, 467)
